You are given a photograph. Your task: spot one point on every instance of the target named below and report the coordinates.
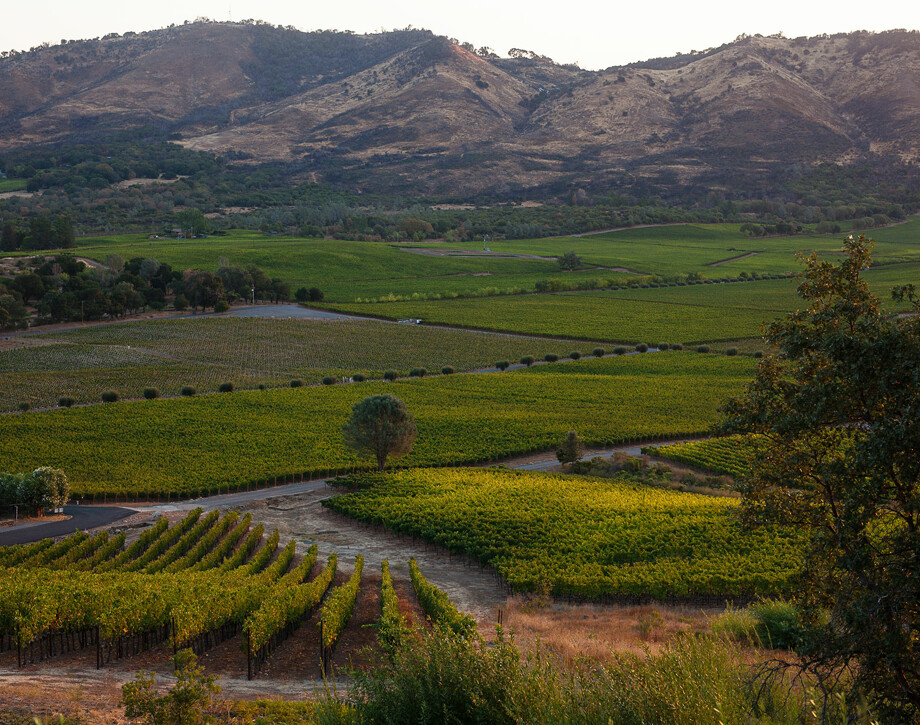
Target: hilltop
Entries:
(408, 111)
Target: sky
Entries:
(595, 34)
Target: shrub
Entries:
(261, 386)
(732, 351)
(221, 306)
(663, 346)
(677, 346)
(502, 364)
(620, 350)
(296, 383)
(180, 303)
(110, 396)
(389, 375)
(316, 294)
(598, 352)
(328, 380)
(418, 373)
(66, 402)
(550, 357)
(758, 354)
(187, 390)
(447, 370)
(24, 407)
(527, 360)
(641, 347)
(574, 354)
(151, 393)
(225, 388)
(358, 378)
(703, 348)
(302, 294)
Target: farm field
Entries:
(248, 352)
(208, 443)
(580, 536)
(730, 455)
(687, 314)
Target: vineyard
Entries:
(204, 580)
(578, 536)
(730, 456)
(204, 353)
(241, 440)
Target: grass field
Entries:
(581, 536)
(12, 185)
(248, 352)
(730, 455)
(222, 441)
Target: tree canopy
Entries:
(380, 425)
(839, 403)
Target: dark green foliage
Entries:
(574, 355)
(328, 380)
(527, 360)
(447, 370)
(838, 409)
(296, 383)
(677, 346)
(418, 373)
(151, 393)
(663, 346)
(187, 390)
(358, 378)
(24, 407)
(225, 388)
(570, 261)
(66, 402)
(758, 354)
(598, 352)
(390, 375)
(619, 350)
(316, 294)
(641, 347)
(551, 357)
(571, 449)
(702, 348)
(180, 303)
(302, 294)
(502, 364)
(110, 397)
(380, 425)
(185, 704)
(221, 306)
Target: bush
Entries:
(447, 370)
(598, 352)
(663, 346)
(24, 407)
(418, 373)
(296, 383)
(221, 306)
(527, 360)
(151, 393)
(550, 357)
(188, 391)
(703, 348)
(316, 294)
(225, 388)
(574, 354)
(180, 303)
(641, 347)
(389, 375)
(620, 350)
(677, 346)
(110, 397)
(261, 386)
(732, 351)
(185, 704)
(328, 380)
(502, 364)
(66, 402)
(758, 354)
(358, 378)
(302, 294)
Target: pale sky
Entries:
(595, 34)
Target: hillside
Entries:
(410, 111)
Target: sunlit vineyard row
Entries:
(225, 442)
(731, 455)
(581, 536)
(204, 353)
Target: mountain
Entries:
(411, 111)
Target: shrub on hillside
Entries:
(527, 360)
(358, 378)
(188, 391)
(574, 354)
(225, 388)
(620, 350)
(641, 347)
(732, 351)
(66, 402)
(151, 393)
(447, 370)
(418, 373)
(703, 348)
(390, 375)
(221, 306)
(296, 383)
(550, 357)
(598, 352)
(328, 380)
(662, 346)
(502, 364)
(110, 396)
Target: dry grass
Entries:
(578, 631)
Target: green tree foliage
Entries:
(193, 221)
(43, 488)
(572, 448)
(570, 261)
(184, 704)
(839, 406)
(380, 425)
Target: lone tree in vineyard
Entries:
(381, 426)
(572, 448)
(840, 408)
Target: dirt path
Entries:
(732, 259)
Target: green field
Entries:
(730, 455)
(581, 536)
(215, 442)
(12, 185)
(208, 351)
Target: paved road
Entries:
(81, 517)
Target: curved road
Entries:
(81, 517)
